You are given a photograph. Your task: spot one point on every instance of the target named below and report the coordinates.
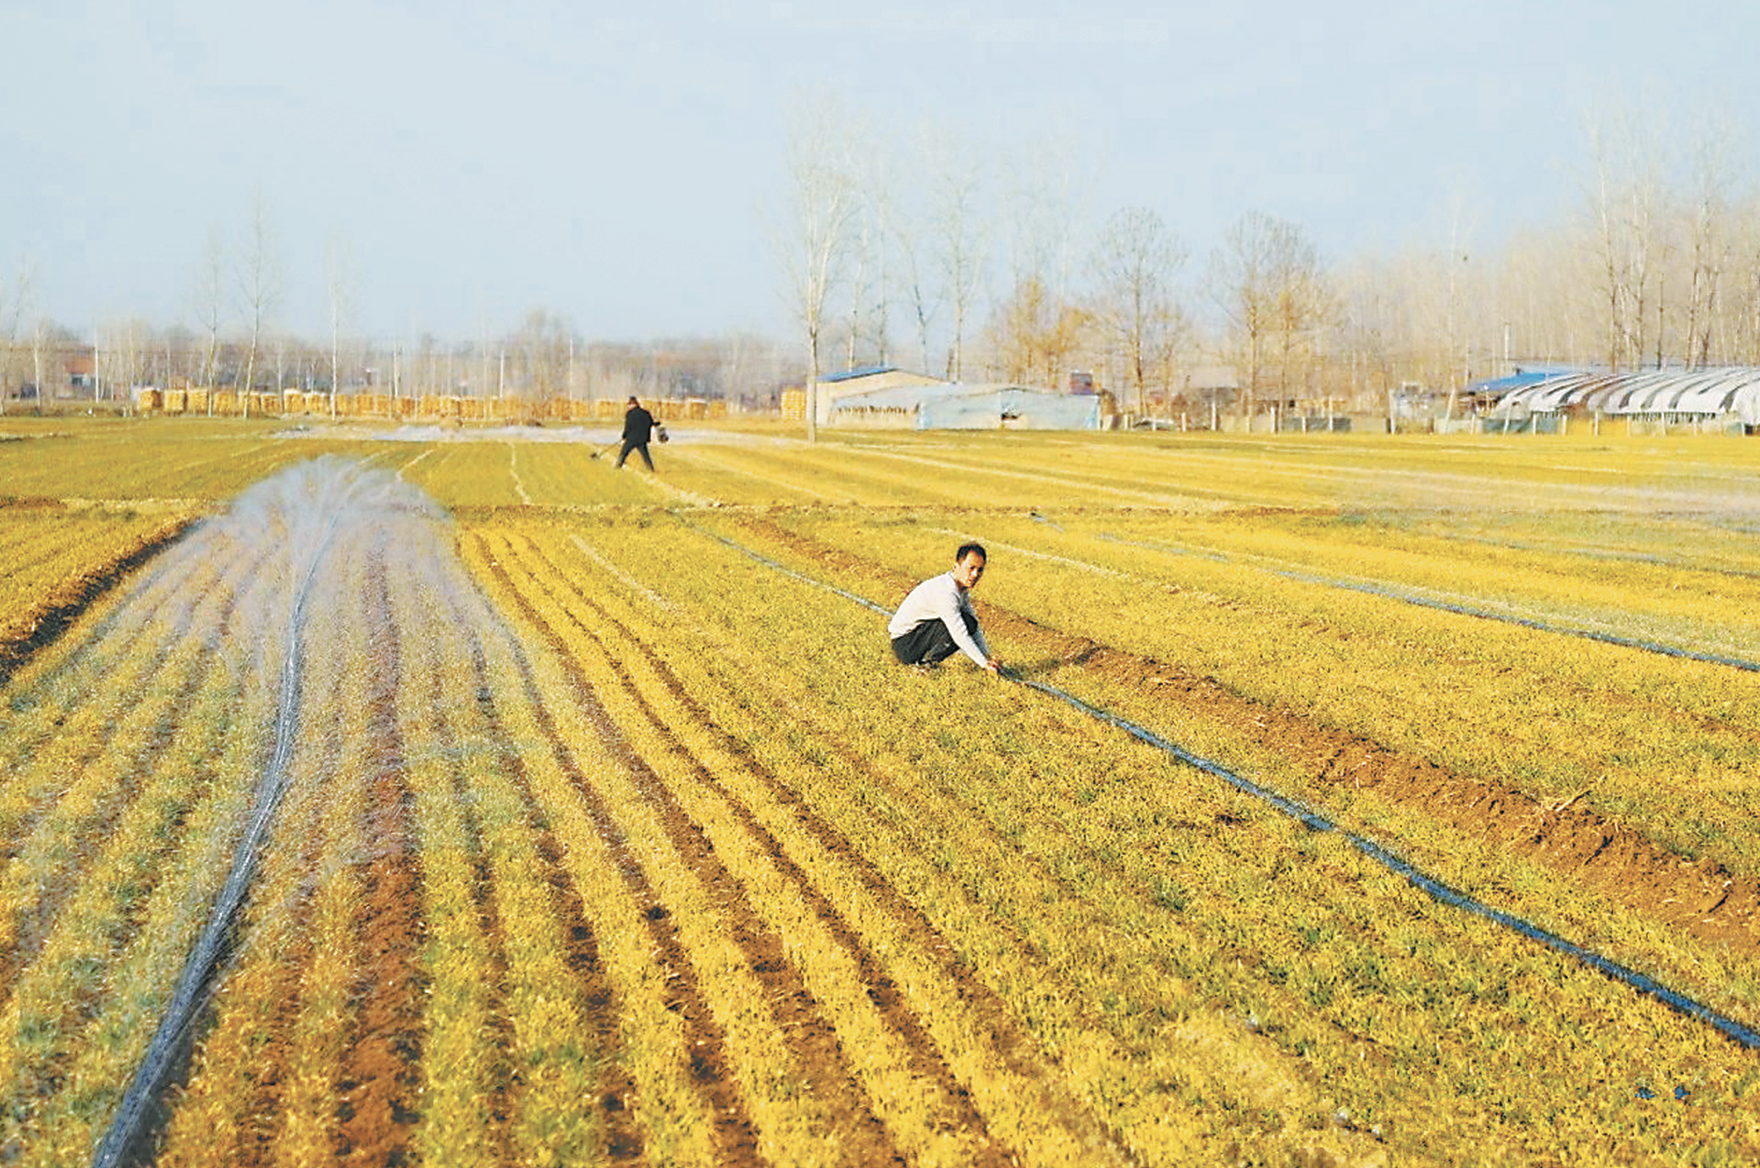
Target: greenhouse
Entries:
(1729, 394)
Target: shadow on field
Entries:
(1016, 671)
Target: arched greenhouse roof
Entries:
(1732, 391)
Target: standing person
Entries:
(936, 619)
(638, 427)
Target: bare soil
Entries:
(381, 1072)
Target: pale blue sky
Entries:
(607, 162)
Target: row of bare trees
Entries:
(540, 359)
(984, 260)
(234, 299)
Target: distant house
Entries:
(68, 371)
(81, 368)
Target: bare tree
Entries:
(121, 355)
(813, 239)
(1708, 233)
(1240, 281)
(954, 233)
(259, 288)
(1738, 311)
(1135, 263)
(13, 308)
(341, 279)
(907, 225)
(210, 300)
(1266, 278)
(39, 347)
(541, 347)
(872, 170)
(1453, 260)
(1372, 328)
(1040, 213)
(1303, 306)
(1627, 190)
(1034, 337)
(281, 344)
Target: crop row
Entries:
(1484, 487)
(1451, 481)
(139, 460)
(1663, 744)
(1680, 922)
(54, 559)
(131, 759)
(1179, 959)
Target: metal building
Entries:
(952, 405)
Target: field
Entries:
(460, 799)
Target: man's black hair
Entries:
(967, 548)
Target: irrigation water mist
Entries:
(297, 520)
(1295, 809)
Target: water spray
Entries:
(307, 507)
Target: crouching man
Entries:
(936, 619)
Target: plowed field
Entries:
(472, 802)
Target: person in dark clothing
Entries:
(638, 427)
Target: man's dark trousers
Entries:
(929, 643)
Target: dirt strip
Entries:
(381, 1072)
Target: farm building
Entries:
(1730, 395)
(952, 405)
(835, 387)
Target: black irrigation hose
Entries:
(131, 1124)
(1435, 888)
(1461, 609)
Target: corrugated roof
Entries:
(1521, 379)
(851, 374)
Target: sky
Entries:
(613, 165)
